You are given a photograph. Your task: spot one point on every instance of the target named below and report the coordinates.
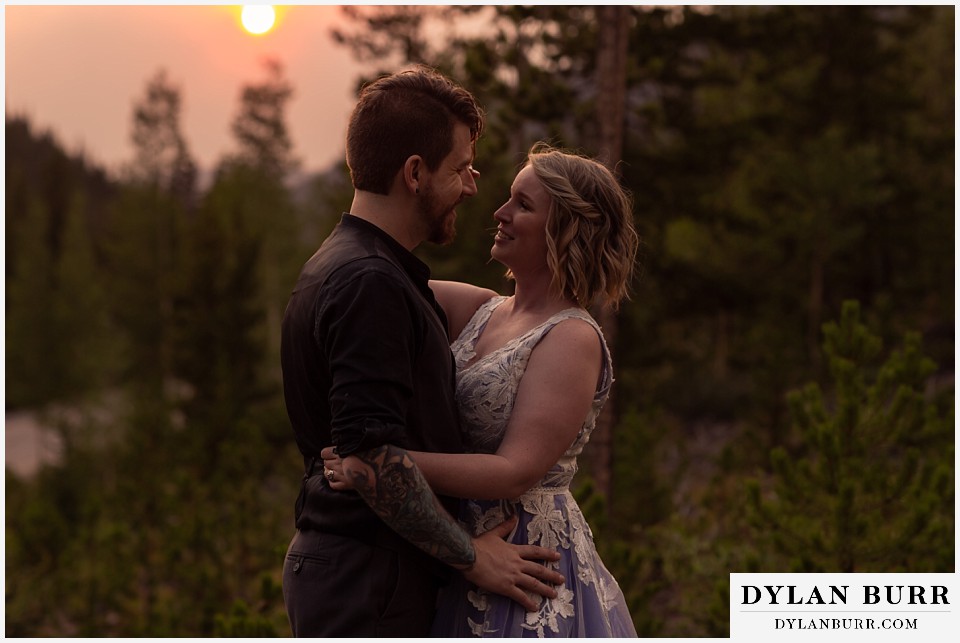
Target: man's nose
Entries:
(470, 182)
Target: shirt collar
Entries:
(418, 270)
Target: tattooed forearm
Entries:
(393, 486)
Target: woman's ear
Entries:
(413, 169)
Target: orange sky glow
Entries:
(77, 71)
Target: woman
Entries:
(533, 372)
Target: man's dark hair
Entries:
(407, 113)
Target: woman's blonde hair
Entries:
(591, 240)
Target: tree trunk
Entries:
(610, 105)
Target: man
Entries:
(367, 368)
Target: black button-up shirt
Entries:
(366, 361)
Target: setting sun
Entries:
(257, 18)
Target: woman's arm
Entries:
(459, 301)
(553, 399)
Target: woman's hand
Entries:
(333, 470)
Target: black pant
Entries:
(335, 586)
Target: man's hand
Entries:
(512, 570)
(333, 470)
(500, 567)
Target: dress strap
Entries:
(465, 344)
(480, 318)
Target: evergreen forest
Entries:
(784, 369)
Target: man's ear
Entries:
(413, 170)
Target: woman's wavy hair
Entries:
(591, 240)
(397, 116)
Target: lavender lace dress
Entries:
(590, 604)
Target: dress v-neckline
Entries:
(480, 327)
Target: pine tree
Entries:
(54, 279)
(869, 487)
(260, 127)
(144, 240)
(91, 359)
(163, 158)
(218, 327)
(30, 330)
(252, 186)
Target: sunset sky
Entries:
(77, 71)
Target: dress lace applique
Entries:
(590, 604)
(549, 615)
(548, 526)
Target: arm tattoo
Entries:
(396, 490)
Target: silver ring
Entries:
(330, 475)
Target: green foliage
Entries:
(142, 251)
(54, 277)
(633, 562)
(326, 197)
(172, 502)
(640, 492)
(761, 161)
(869, 486)
(241, 623)
(26, 297)
(38, 170)
(143, 246)
(219, 346)
(58, 312)
(126, 540)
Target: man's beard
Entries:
(438, 218)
